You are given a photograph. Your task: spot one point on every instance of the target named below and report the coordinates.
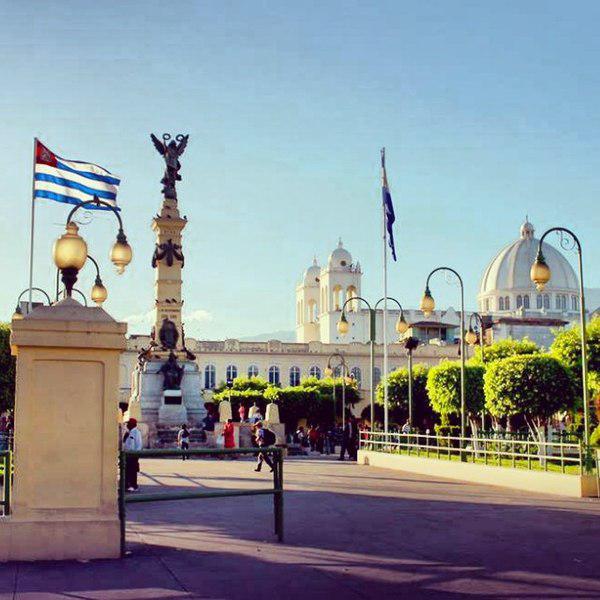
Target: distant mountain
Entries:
(282, 336)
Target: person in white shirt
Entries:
(183, 440)
(132, 440)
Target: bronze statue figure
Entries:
(168, 334)
(172, 373)
(169, 251)
(170, 151)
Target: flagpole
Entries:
(35, 141)
(384, 324)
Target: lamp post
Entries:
(18, 314)
(410, 344)
(99, 293)
(428, 306)
(329, 373)
(343, 327)
(471, 338)
(540, 275)
(70, 250)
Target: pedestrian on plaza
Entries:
(313, 436)
(406, 427)
(242, 412)
(229, 434)
(132, 441)
(254, 414)
(264, 438)
(183, 440)
(320, 440)
(349, 438)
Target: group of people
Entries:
(324, 439)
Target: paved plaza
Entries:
(351, 531)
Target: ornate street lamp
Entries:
(18, 314)
(99, 293)
(401, 327)
(471, 338)
(329, 372)
(428, 306)
(540, 275)
(70, 250)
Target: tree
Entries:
(7, 370)
(299, 402)
(244, 383)
(325, 387)
(533, 386)
(246, 391)
(398, 395)
(504, 349)
(567, 347)
(443, 388)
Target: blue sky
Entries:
(488, 111)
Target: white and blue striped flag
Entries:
(72, 181)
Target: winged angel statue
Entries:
(170, 151)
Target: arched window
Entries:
(315, 371)
(337, 297)
(337, 371)
(564, 302)
(557, 301)
(274, 375)
(376, 376)
(231, 372)
(539, 301)
(507, 303)
(252, 371)
(501, 303)
(351, 293)
(356, 374)
(526, 301)
(574, 303)
(519, 301)
(295, 376)
(210, 377)
(546, 301)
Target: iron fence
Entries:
(6, 475)
(514, 453)
(276, 490)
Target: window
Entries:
(356, 374)
(210, 376)
(558, 301)
(563, 302)
(252, 371)
(501, 304)
(376, 376)
(312, 311)
(574, 303)
(274, 375)
(526, 301)
(487, 305)
(337, 372)
(538, 301)
(519, 301)
(315, 372)
(295, 376)
(507, 303)
(337, 297)
(231, 372)
(546, 301)
(351, 293)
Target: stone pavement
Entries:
(351, 532)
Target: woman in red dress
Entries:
(228, 434)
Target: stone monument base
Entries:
(60, 539)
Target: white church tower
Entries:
(308, 305)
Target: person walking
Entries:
(242, 412)
(313, 436)
(183, 440)
(349, 440)
(264, 438)
(229, 435)
(132, 441)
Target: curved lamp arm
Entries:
(37, 289)
(393, 300)
(97, 202)
(562, 230)
(348, 300)
(443, 269)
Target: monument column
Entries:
(64, 502)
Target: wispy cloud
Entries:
(197, 316)
(146, 318)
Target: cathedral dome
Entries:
(509, 270)
(312, 274)
(340, 258)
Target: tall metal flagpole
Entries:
(35, 141)
(384, 324)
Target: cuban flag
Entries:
(388, 207)
(71, 181)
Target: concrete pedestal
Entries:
(64, 503)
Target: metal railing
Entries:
(6, 474)
(512, 453)
(276, 490)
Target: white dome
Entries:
(312, 274)
(340, 258)
(509, 271)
